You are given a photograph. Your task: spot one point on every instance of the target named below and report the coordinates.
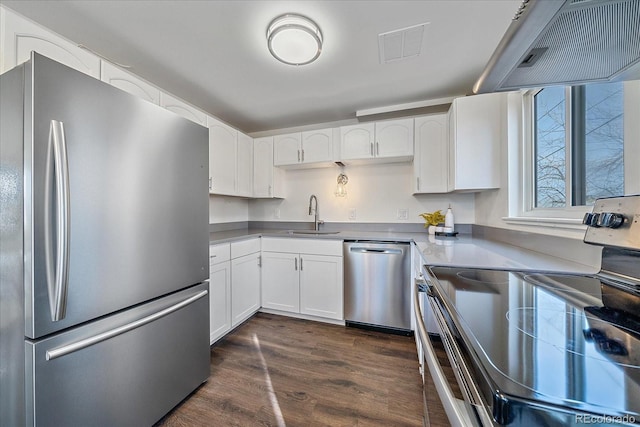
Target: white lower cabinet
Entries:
(303, 276)
(219, 291)
(321, 286)
(280, 281)
(234, 285)
(245, 287)
(219, 300)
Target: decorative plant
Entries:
(434, 218)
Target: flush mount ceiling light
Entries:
(294, 39)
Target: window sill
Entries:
(564, 223)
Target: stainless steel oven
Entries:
(539, 348)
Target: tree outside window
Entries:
(578, 144)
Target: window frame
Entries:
(522, 184)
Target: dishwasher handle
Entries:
(362, 250)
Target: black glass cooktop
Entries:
(549, 338)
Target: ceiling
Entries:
(213, 54)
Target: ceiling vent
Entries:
(401, 44)
(566, 43)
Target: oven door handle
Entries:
(454, 408)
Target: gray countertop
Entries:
(461, 251)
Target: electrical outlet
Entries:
(276, 213)
(403, 214)
(352, 214)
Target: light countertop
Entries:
(461, 251)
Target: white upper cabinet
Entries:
(385, 141)
(431, 161)
(20, 36)
(394, 138)
(222, 158)
(267, 180)
(475, 134)
(183, 109)
(286, 149)
(303, 149)
(128, 82)
(356, 141)
(317, 146)
(244, 173)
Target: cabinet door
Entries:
(321, 286)
(477, 139)
(245, 287)
(263, 167)
(244, 173)
(317, 146)
(286, 149)
(219, 300)
(394, 138)
(183, 109)
(431, 161)
(129, 83)
(280, 281)
(356, 142)
(20, 36)
(222, 157)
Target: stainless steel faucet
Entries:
(316, 220)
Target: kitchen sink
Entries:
(312, 232)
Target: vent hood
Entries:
(566, 43)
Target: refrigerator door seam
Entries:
(79, 345)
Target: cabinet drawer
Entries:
(303, 246)
(244, 247)
(219, 253)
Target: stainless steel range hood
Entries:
(567, 42)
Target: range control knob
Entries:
(591, 219)
(610, 220)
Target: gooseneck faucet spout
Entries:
(316, 212)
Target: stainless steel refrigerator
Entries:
(103, 252)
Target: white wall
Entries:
(375, 191)
(227, 209)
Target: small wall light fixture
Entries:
(294, 39)
(341, 189)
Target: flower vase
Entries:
(431, 229)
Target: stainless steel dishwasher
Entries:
(377, 285)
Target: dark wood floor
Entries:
(280, 371)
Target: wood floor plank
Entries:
(281, 371)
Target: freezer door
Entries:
(116, 200)
(124, 370)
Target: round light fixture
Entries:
(294, 39)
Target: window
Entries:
(578, 145)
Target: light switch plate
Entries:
(403, 214)
(276, 213)
(352, 214)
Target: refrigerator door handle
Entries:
(79, 345)
(57, 263)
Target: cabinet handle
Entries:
(269, 190)
(295, 262)
(418, 182)
(298, 156)
(300, 263)
(371, 148)
(377, 148)
(303, 155)
(210, 183)
(259, 260)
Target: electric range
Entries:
(539, 348)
